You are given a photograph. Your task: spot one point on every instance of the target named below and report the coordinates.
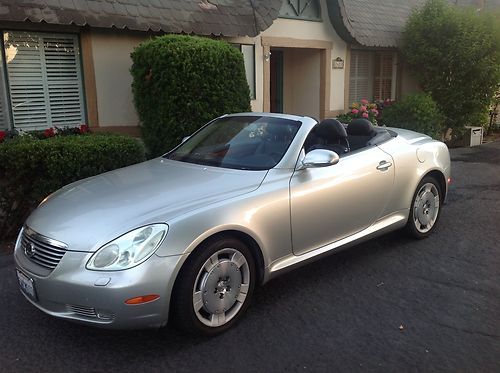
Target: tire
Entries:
(425, 208)
(214, 287)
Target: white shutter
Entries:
(383, 81)
(359, 76)
(44, 80)
(64, 80)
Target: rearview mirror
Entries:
(320, 158)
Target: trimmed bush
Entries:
(417, 112)
(181, 82)
(30, 169)
(454, 53)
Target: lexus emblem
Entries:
(29, 250)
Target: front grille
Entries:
(42, 250)
(82, 311)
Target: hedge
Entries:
(30, 169)
(181, 82)
(454, 53)
(416, 112)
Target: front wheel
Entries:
(425, 208)
(214, 287)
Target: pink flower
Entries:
(364, 115)
(375, 111)
(3, 135)
(355, 111)
(363, 108)
(364, 101)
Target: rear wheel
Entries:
(425, 208)
(214, 287)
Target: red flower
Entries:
(3, 135)
(49, 132)
(84, 128)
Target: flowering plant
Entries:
(46, 133)
(49, 132)
(84, 128)
(363, 109)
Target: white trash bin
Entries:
(474, 136)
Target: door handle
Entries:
(384, 165)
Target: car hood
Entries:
(91, 212)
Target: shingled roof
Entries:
(375, 23)
(202, 17)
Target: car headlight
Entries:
(128, 250)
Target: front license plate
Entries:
(27, 285)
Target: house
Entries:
(66, 62)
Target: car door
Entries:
(330, 203)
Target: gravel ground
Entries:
(390, 305)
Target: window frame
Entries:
(373, 75)
(6, 121)
(75, 38)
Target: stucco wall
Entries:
(323, 31)
(111, 54)
(407, 82)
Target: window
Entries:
(308, 10)
(372, 75)
(44, 79)
(248, 51)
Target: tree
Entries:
(454, 53)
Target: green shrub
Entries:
(454, 53)
(30, 169)
(417, 112)
(181, 82)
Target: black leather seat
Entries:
(328, 134)
(359, 132)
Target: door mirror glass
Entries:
(320, 158)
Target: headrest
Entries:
(360, 127)
(330, 129)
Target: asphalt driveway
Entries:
(389, 305)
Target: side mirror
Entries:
(184, 139)
(320, 158)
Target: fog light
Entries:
(142, 299)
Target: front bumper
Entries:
(72, 292)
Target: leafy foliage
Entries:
(181, 82)
(30, 169)
(417, 112)
(454, 53)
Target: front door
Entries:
(334, 202)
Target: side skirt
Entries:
(387, 224)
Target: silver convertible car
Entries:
(186, 237)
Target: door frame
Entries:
(277, 76)
(325, 48)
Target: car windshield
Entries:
(240, 142)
